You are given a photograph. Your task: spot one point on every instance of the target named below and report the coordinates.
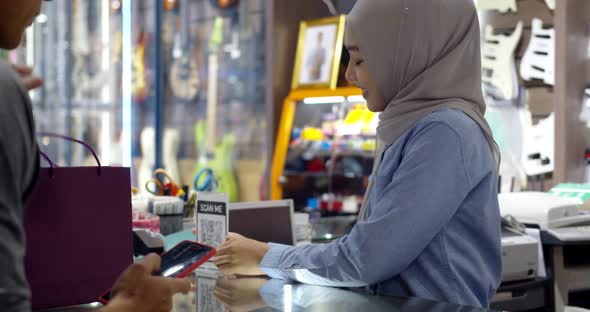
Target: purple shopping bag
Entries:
(79, 233)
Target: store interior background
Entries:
(109, 89)
(114, 78)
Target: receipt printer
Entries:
(520, 256)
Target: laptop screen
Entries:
(269, 224)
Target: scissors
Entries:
(208, 184)
(159, 187)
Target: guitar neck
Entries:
(212, 102)
(214, 47)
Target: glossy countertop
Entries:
(213, 293)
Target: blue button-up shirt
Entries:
(433, 223)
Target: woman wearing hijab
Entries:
(430, 223)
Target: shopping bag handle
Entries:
(67, 138)
(51, 163)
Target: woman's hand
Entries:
(240, 294)
(138, 290)
(26, 75)
(240, 256)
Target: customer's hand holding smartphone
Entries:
(139, 290)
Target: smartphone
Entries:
(178, 262)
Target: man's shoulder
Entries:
(6, 73)
(12, 93)
(9, 84)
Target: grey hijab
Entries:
(424, 56)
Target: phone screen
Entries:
(181, 257)
(176, 261)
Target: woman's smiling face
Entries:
(358, 74)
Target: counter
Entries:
(212, 294)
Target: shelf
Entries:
(298, 95)
(89, 104)
(370, 154)
(321, 175)
(324, 154)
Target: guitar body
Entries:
(184, 78)
(221, 162)
(498, 66)
(148, 162)
(80, 48)
(224, 4)
(502, 6)
(550, 4)
(171, 144)
(139, 78)
(538, 61)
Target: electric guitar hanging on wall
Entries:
(224, 4)
(502, 6)
(498, 66)
(139, 81)
(218, 158)
(550, 4)
(184, 72)
(538, 61)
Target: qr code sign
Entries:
(211, 218)
(211, 232)
(206, 298)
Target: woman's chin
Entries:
(372, 107)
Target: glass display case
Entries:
(177, 84)
(72, 46)
(215, 105)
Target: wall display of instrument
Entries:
(170, 4)
(498, 65)
(502, 6)
(184, 71)
(218, 158)
(88, 78)
(139, 80)
(550, 4)
(585, 111)
(224, 4)
(538, 61)
(80, 45)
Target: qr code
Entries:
(212, 232)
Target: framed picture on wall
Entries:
(319, 50)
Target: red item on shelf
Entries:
(315, 165)
(331, 206)
(174, 189)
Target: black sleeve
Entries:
(14, 291)
(15, 168)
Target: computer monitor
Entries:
(265, 221)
